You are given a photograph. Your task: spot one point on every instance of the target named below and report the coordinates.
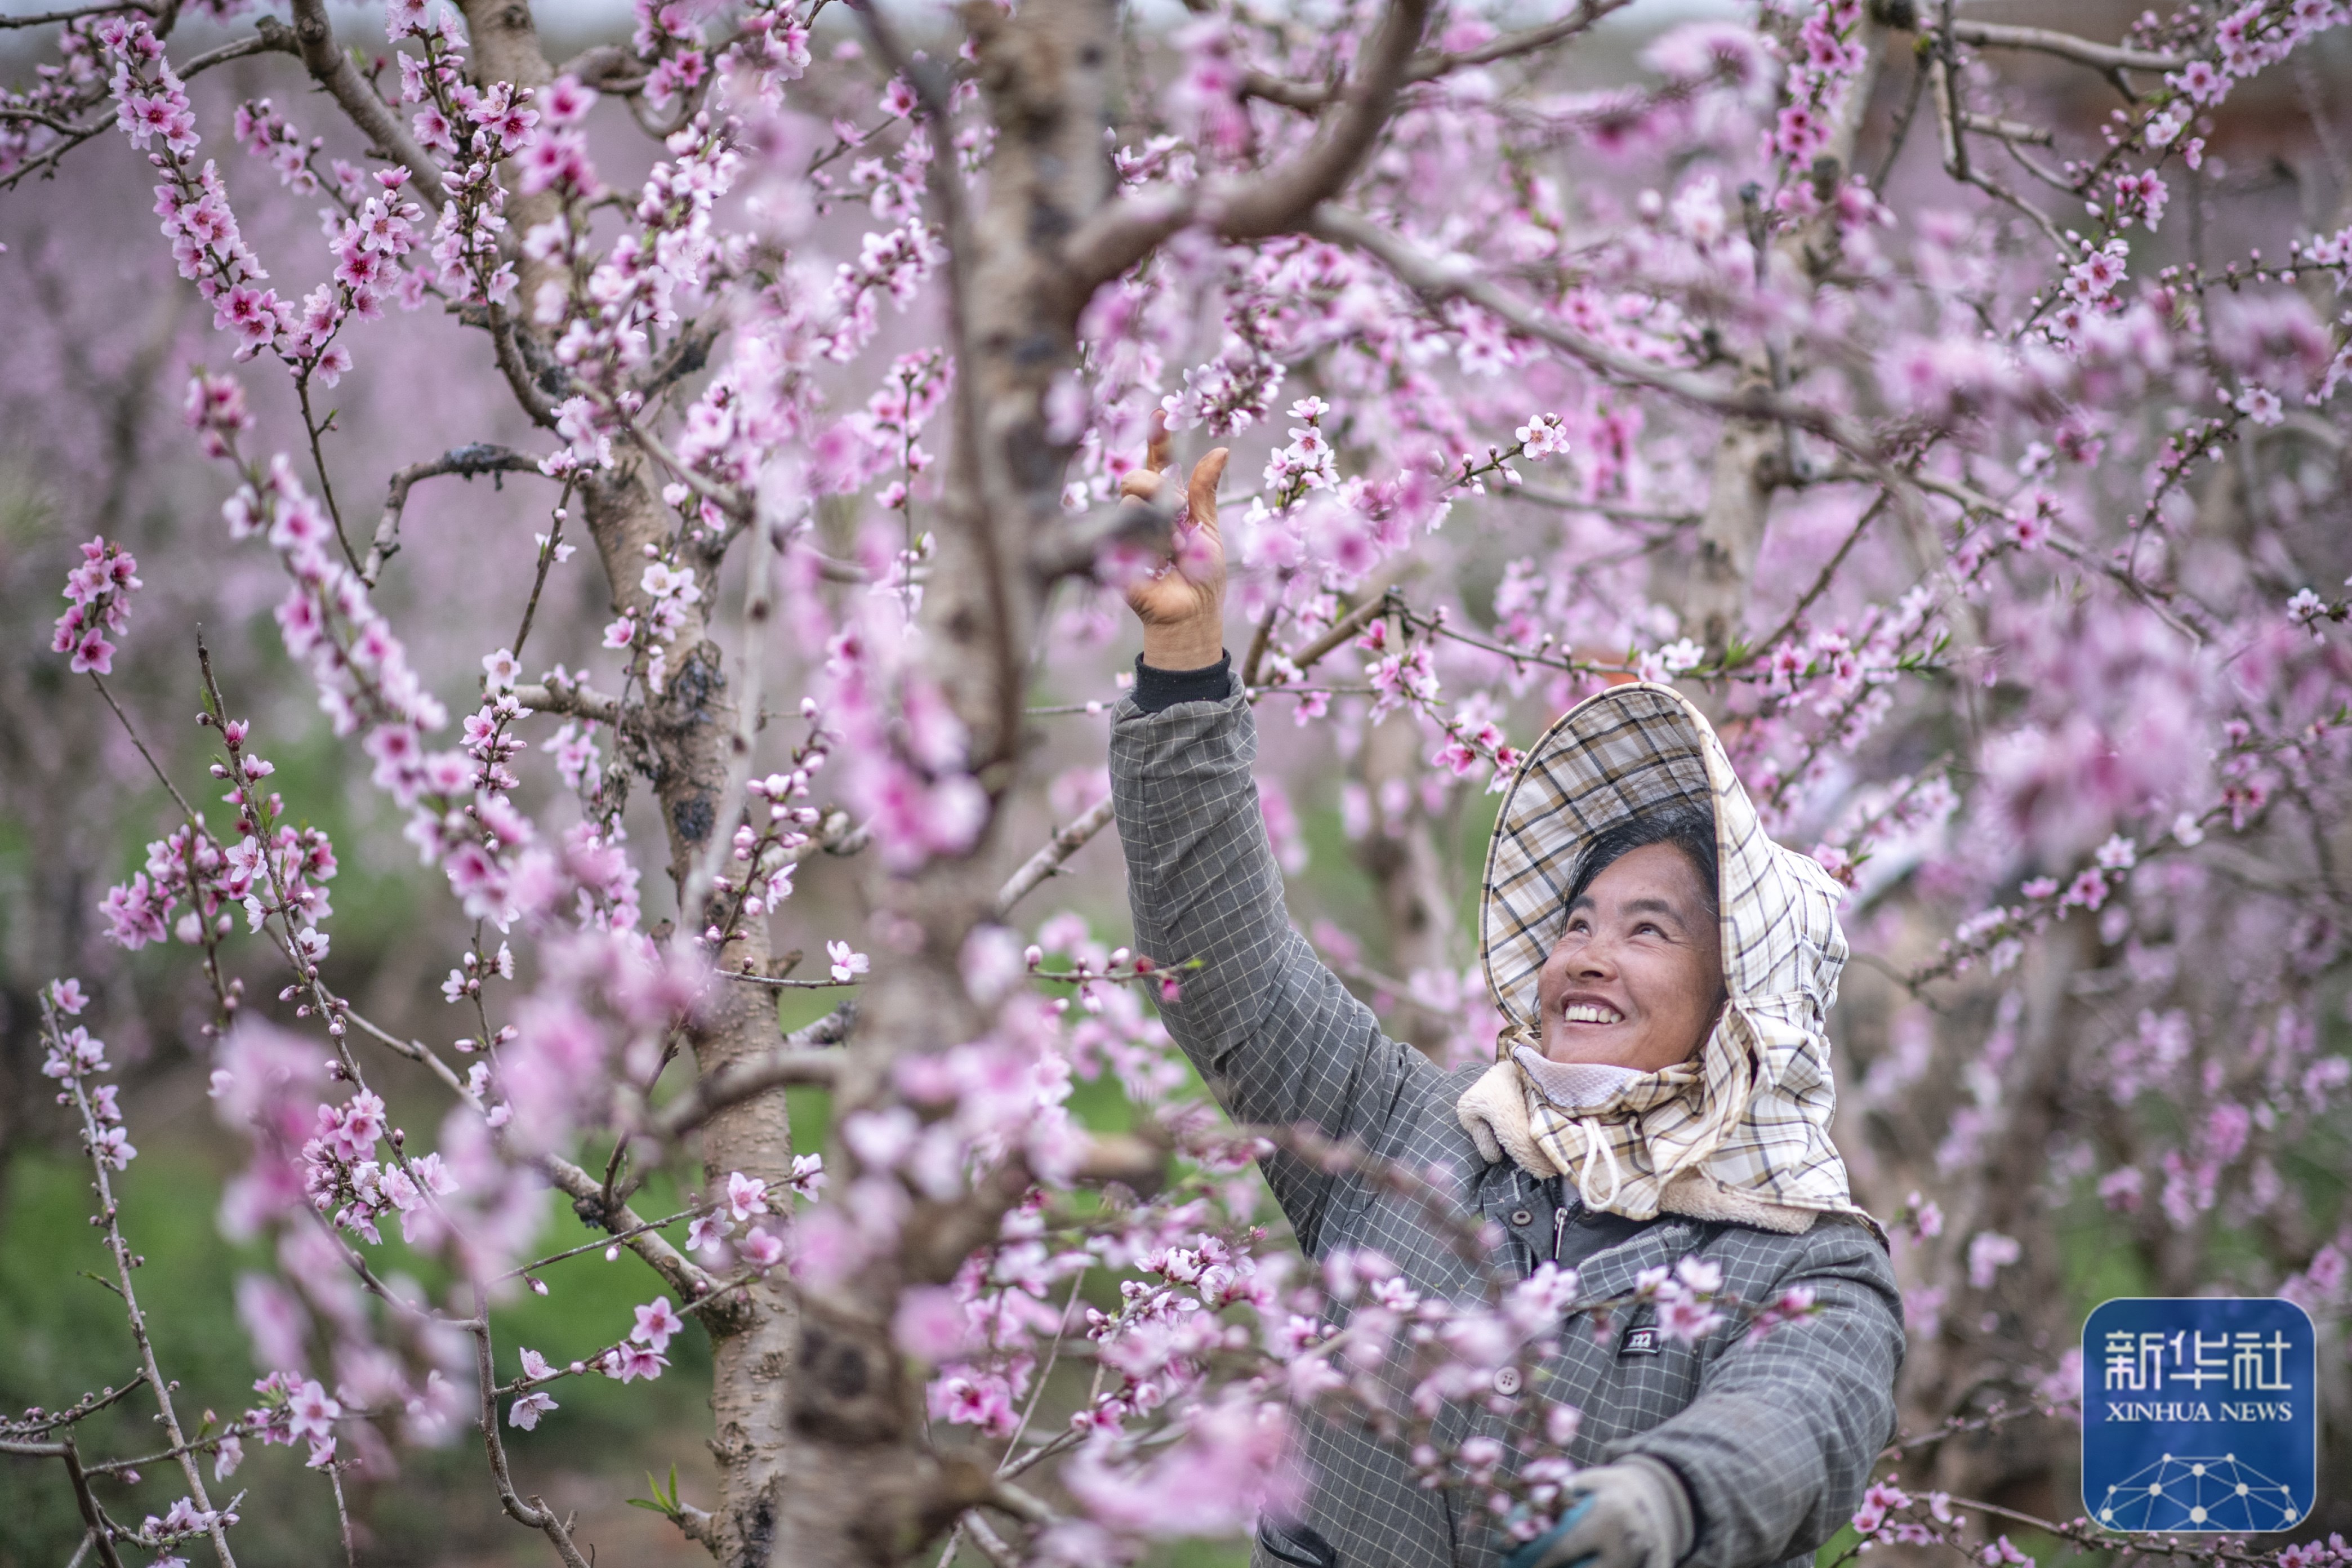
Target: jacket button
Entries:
(1506, 1380)
(1522, 1216)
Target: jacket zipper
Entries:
(1558, 1227)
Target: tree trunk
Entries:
(1400, 854)
(685, 742)
(1749, 461)
(1987, 1333)
(867, 1489)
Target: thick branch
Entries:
(514, 349)
(1278, 199)
(1065, 843)
(2008, 130)
(833, 1029)
(607, 68)
(330, 68)
(578, 701)
(259, 44)
(1345, 628)
(738, 1081)
(100, 1537)
(1124, 1157)
(475, 457)
(1430, 64)
(689, 1279)
(2065, 45)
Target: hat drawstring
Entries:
(1597, 1144)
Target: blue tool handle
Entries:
(1534, 1551)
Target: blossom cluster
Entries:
(98, 603)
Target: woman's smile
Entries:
(1636, 978)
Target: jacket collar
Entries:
(1610, 1273)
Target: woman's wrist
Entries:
(1193, 644)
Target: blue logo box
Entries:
(2200, 1414)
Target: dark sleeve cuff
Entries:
(1159, 689)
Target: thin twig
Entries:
(87, 1406)
(1820, 583)
(1620, 511)
(548, 554)
(314, 429)
(344, 1516)
(1053, 1354)
(206, 1443)
(536, 1264)
(109, 1218)
(534, 1513)
(133, 730)
(43, 18)
(1065, 842)
(782, 983)
(1458, 277)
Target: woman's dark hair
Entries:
(1688, 828)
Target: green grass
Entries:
(67, 1335)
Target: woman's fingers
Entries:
(1158, 449)
(1200, 495)
(1144, 483)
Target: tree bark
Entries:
(1749, 459)
(2003, 1192)
(685, 743)
(505, 40)
(866, 1489)
(1407, 873)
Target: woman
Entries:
(1664, 1093)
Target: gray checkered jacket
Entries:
(1774, 1438)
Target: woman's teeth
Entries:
(1586, 1013)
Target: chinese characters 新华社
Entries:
(2142, 1363)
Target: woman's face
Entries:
(1636, 979)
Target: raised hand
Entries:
(1181, 606)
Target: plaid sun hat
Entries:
(1742, 1129)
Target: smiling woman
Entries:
(1635, 981)
(1660, 1111)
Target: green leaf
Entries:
(663, 1503)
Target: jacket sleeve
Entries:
(1777, 1447)
(1275, 1035)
